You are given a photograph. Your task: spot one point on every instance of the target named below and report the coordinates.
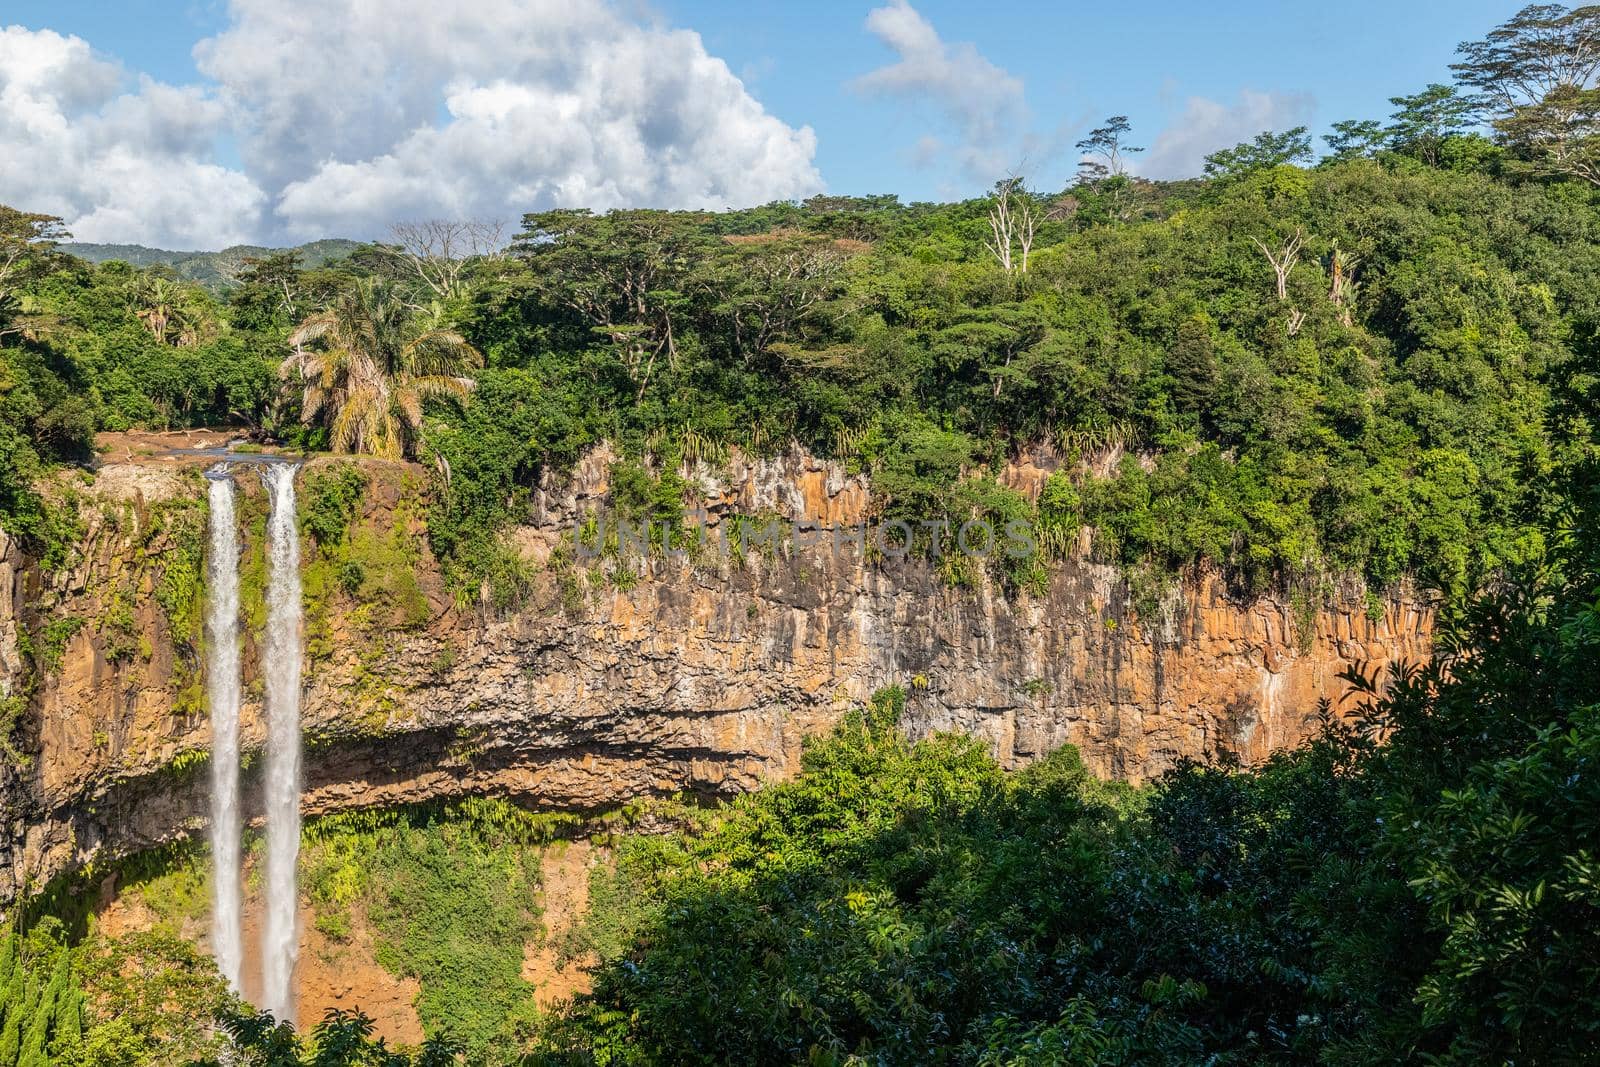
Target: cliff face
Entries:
(700, 675)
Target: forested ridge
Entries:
(1391, 414)
(1379, 365)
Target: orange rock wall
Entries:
(699, 675)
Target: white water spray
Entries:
(222, 693)
(280, 947)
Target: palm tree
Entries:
(169, 310)
(365, 367)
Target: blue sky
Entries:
(964, 91)
(1081, 61)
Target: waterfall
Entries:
(280, 945)
(222, 694)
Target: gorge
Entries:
(1105, 619)
(698, 677)
(492, 788)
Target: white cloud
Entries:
(981, 101)
(118, 165)
(348, 115)
(1180, 150)
(363, 113)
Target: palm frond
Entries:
(313, 329)
(441, 385)
(366, 369)
(439, 352)
(408, 400)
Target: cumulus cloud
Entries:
(359, 114)
(1180, 150)
(348, 115)
(982, 102)
(121, 160)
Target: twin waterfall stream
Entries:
(280, 668)
(222, 693)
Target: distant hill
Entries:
(214, 270)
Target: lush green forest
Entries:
(1405, 427)
(217, 271)
(1384, 408)
(1379, 363)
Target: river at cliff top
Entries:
(230, 455)
(185, 447)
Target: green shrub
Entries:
(180, 588)
(329, 502)
(53, 639)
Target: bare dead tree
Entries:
(439, 250)
(1284, 259)
(1025, 231)
(1001, 224)
(1297, 319)
(1012, 221)
(1342, 281)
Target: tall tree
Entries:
(1538, 69)
(631, 275)
(1104, 166)
(1542, 48)
(366, 364)
(1354, 138)
(1266, 151)
(26, 242)
(1422, 121)
(1110, 144)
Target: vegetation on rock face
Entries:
(451, 894)
(455, 911)
(370, 566)
(329, 501)
(180, 524)
(1382, 364)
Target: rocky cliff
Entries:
(616, 679)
